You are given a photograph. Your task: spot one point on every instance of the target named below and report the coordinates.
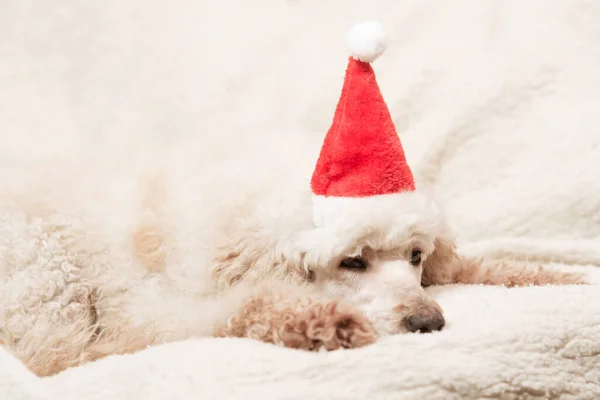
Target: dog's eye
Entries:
(354, 263)
(415, 258)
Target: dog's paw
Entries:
(326, 325)
(541, 276)
(304, 324)
(573, 278)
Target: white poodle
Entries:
(101, 256)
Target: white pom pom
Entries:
(367, 41)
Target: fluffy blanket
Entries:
(497, 106)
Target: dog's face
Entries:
(376, 263)
(386, 285)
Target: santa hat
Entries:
(362, 157)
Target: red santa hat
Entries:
(362, 157)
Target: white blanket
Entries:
(527, 343)
(497, 104)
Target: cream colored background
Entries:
(498, 106)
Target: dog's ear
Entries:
(439, 266)
(251, 255)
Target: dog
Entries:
(72, 291)
(109, 255)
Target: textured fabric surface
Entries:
(497, 107)
(496, 346)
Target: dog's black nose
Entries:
(425, 323)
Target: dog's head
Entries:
(375, 255)
(378, 258)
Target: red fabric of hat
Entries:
(362, 154)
